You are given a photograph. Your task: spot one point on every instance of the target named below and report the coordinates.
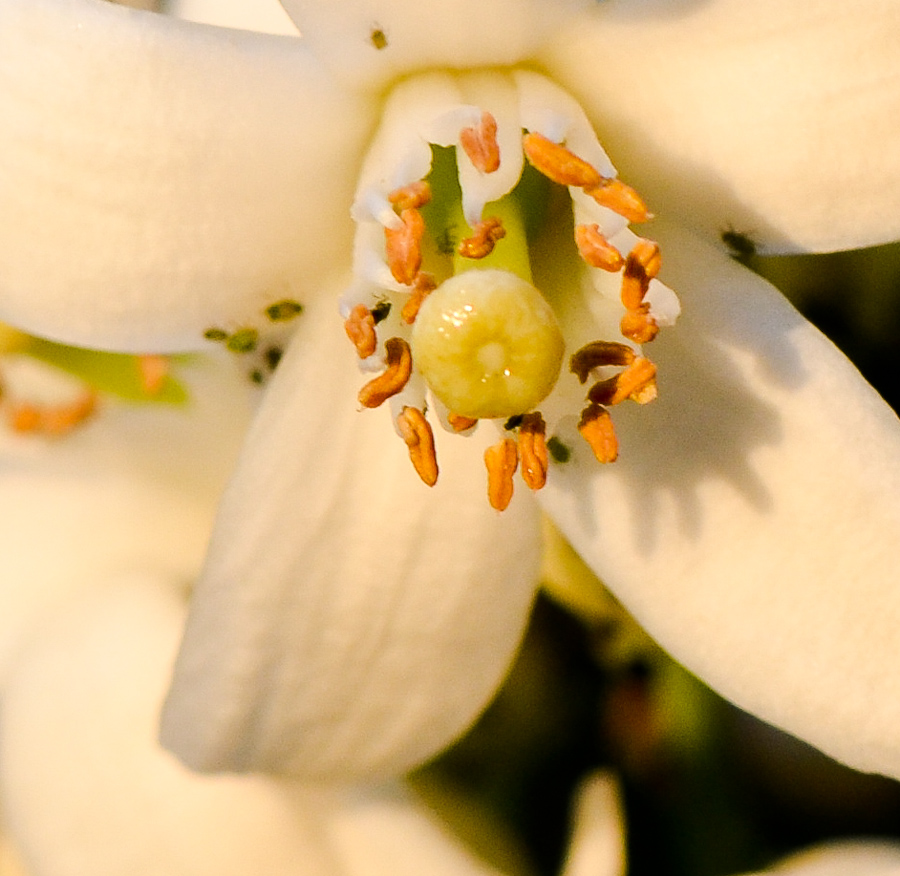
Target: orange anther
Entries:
(641, 266)
(486, 234)
(533, 450)
(403, 246)
(416, 432)
(152, 371)
(423, 286)
(393, 379)
(637, 382)
(599, 353)
(501, 460)
(416, 194)
(596, 250)
(59, 420)
(558, 163)
(639, 326)
(596, 428)
(620, 198)
(360, 328)
(459, 423)
(479, 142)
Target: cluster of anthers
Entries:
(69, 401)
(482, 355)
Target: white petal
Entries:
(778, 119)
(752, 518)
(369, 42)
(844, 858)
(379, 833)
(87, 788)
(597, 844)
(136, 482)
(262, 16)
(161, 177)
(349, 620)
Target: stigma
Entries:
(457, 200)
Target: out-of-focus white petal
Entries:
(367, 43)
(350, 620)
(778, 119)
(135, 483)
(85, 786)
(845, 858)
(160, 177)
(378, 833)
(597, 844)
(751, 520)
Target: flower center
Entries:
(451, 198)
(487, 344)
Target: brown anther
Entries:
(639, 326)
(598, 353)
(52, 420)
(479, 142)
(403, 246)
(486, 234)
(596, 427)
(391, 380)
(459, 423)
(596, 250)
(360, 328)
(501, 460)
(620, 198)
(641, 266)
(533, 450)
(416, 432)
(637, 382)
(416, 194)
(423, 286)
(559, 164)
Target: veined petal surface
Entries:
(751, 520)
(777, 119)
(160, 177)
(350, 620)
(369, 42)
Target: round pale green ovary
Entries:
(487, 344)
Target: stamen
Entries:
(412, 196)
(597, 354)
(416, 432)
(486, 234)
(596, 250)
(558, 163)
(403, 246)
(501, 460)
(533, 450)
(360, 328)
(637, 382)
(639, 326)
(423, 286)
(459, 423)
(50, 420)
(641, 266)
(620, 198)
(479, 142)
(393, 379)
(596, 428)
(153, 370)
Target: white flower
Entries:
(161, 178)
